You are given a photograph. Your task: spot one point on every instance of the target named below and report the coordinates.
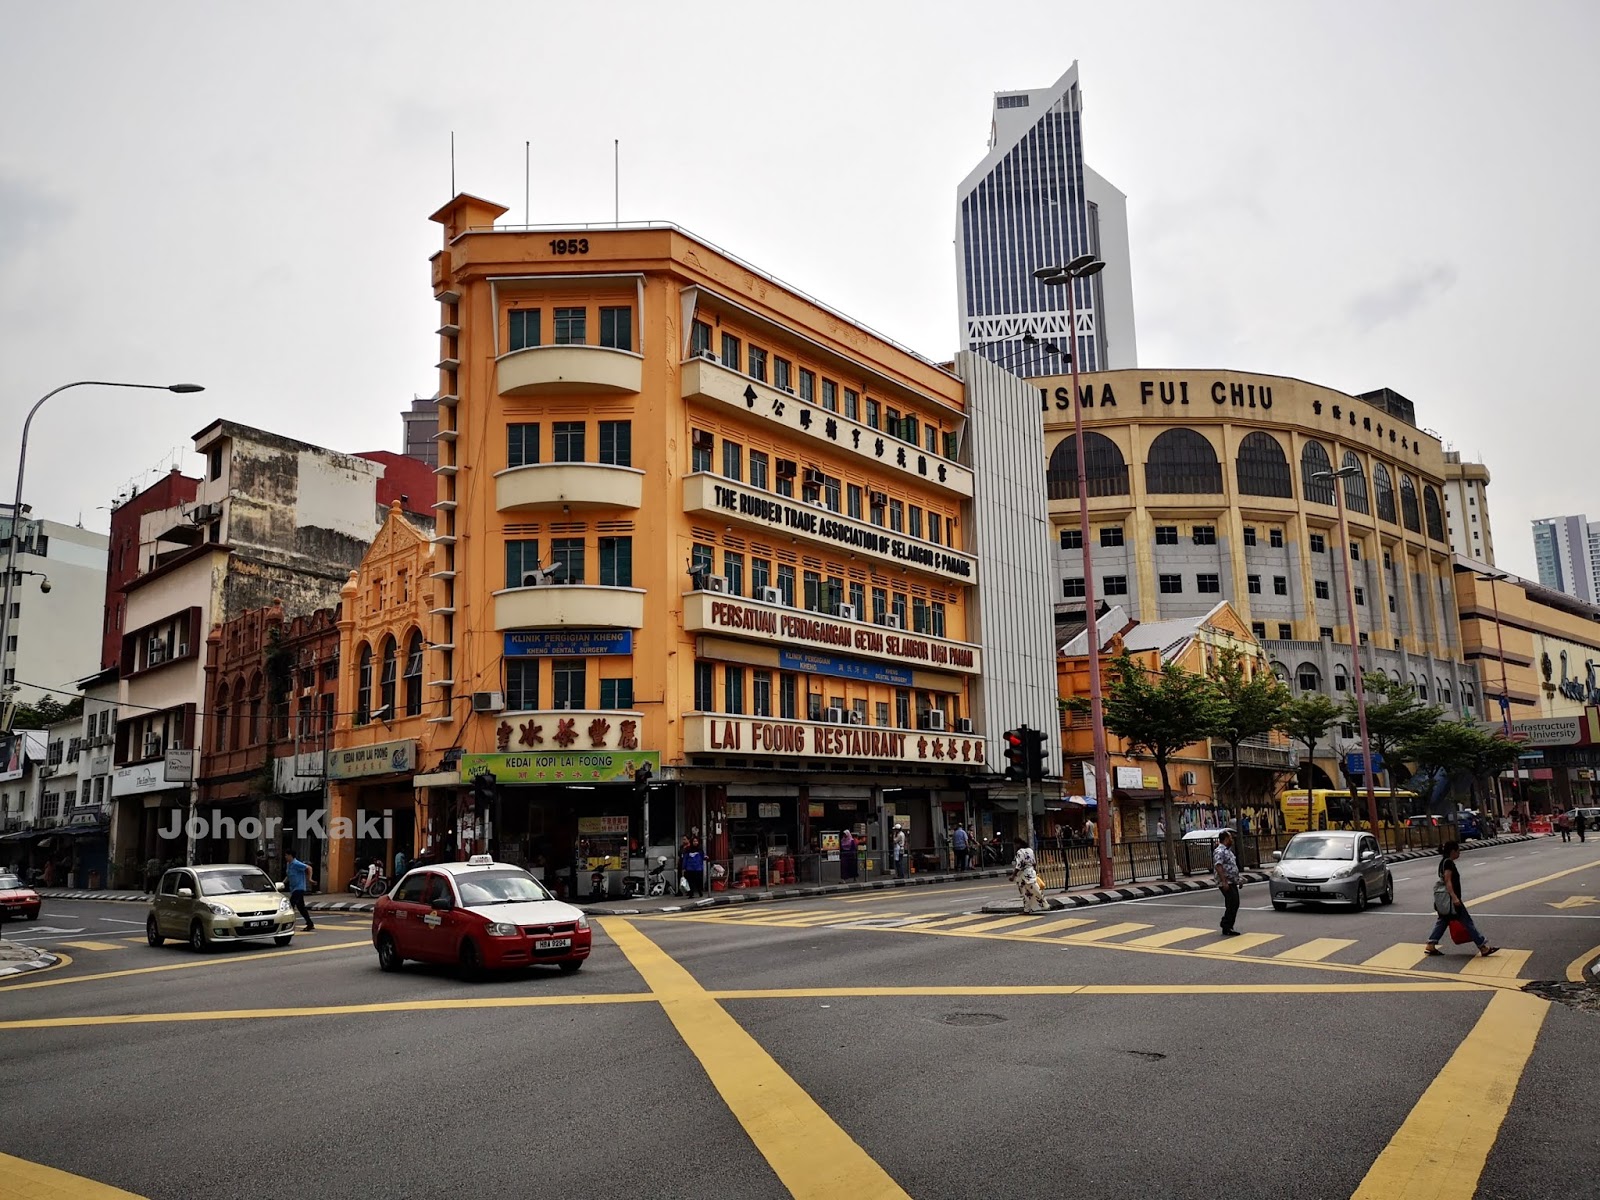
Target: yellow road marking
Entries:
(95, 945)
(34, 1181)
(1402, 956)
(1439, 1151)
(820, 919)
(811, 1155)
(1238, 945)
(1053, 926)
(1576, 966)
(1477, 900)
(1573, 902)
(1168, 936)
(1101, 989)
(944, 922)
(999, 923)
(1315, 950)
(1505, 964)
(1110, 931)
(215, 961)
(328, 1010)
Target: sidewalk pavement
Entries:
(15, 959)
(334, 902)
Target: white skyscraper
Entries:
(1033, 202)
(1567, 550)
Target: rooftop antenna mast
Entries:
(616, 181)
(452, 164)
(527, 169)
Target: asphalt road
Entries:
(880, 1044)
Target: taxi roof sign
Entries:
(480, 860)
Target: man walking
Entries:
(1227, 869)
(902, 864)
(1579, 824)
(298, 878)
(958, 840)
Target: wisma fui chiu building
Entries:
(1204, 486)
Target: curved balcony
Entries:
(568, 370)
(574, 485)
(556, 604)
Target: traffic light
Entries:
(1037, 763)
(1017, 753)
(483, 792)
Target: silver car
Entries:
(1331, 864)
(206, 906)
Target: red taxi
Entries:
(17, 899)
(479, 914)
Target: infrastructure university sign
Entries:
(561, 766)
(380, 758)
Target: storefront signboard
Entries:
(843, 668)
(724, 500)
(561, 766)
(769, 810)
(738, 810)
(816, 809)
(145, 777)
(567, 643)
(1130, 777)
(380, 758)
(830, 843)
(603, 826)
(843, 743)
(1544, 731)
(799, 629)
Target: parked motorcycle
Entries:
(370, 882)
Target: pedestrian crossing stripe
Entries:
(1245, 941)
(1110, 931)
(1069, 931)
(1315, 950)
(1503, 964)
(1170, 937)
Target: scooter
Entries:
(658, 882)
(371, 882)
(597, 883)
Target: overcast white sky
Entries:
(1360, 194)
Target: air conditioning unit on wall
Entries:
(488, 702)
(1187, 779)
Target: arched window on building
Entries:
(364, 687)
(219, 741)
(414, 675)
(1468, 700)
(1313, 462)
(1444, 691)
(1355, 486)
(1341, 678)
(1433, 513)
(388, 679)
(1262, 468)
(1308, 677)
(1182, 463)
(1103, 464)
(1282, 672)
(1422, 688)
(1383, 493)
(1410, 517)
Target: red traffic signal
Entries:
(1016, 741)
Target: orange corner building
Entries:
(701, 567)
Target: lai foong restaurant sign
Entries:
(380, 758)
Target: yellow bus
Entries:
(1328, 808)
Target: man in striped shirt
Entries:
(1226, 866)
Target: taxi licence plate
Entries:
(553, 944)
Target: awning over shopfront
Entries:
(1137, 795)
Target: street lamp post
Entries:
(16, 505)
(1082, 267)
(1337, 478)
(1500, 643)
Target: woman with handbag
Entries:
(1451, 911)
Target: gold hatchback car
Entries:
(207, 906)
